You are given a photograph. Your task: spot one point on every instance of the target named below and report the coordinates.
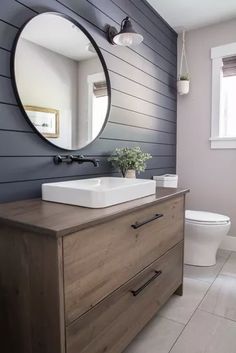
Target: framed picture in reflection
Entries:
(45, 120)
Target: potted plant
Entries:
(183, 84)
(129, 161)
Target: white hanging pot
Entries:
(183, 81)
(130, 173)
(183, 86)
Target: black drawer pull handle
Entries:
(140, 224)
(136, 292)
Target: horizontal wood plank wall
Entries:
(143, 111)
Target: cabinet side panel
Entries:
(31, 312)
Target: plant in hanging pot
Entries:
(129, 160)
(183, 84)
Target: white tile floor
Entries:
(203, 320)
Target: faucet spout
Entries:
(81, 159)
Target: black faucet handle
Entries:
(62, 159)
(96, 162)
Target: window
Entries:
(100, 101)
(228, 95)
(97, 103)
(223, 128)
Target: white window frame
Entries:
(217, 54)
(91, 79)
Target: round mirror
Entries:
(61, 81)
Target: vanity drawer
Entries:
(100, 259)
(115, 321)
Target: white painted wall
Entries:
(85, 68)
(210, 174)
(40, 85)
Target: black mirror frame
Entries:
(13, 77)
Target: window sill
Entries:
(223, 142)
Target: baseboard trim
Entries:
(229, 243)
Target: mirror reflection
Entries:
(61, 81)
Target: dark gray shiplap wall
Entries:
(143, 108)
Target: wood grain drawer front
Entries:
(113, 323)
(100, 259)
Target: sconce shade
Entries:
(127, 35)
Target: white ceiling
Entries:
(190, 14)
(59, 35)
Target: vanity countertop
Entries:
(59, 219)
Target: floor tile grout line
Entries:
(185, 325)
(217, 274)
(225, 275)
(217, 315)
(167, 318)
(200, 280)
(198, 305)
(231, 252)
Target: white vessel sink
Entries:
(98, 192)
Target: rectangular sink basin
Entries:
(98, 192)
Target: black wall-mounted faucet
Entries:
(81, 159)
(75, 158)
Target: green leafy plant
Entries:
(184, 77)
(129, 158)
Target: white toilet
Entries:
(204, 232)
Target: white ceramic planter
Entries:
(183, 86)
(131, 173)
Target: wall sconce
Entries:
(127, 35)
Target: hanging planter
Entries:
(183, 82)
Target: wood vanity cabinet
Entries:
(77, 280)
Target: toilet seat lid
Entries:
(206, 217)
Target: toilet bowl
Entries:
(204, 232)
